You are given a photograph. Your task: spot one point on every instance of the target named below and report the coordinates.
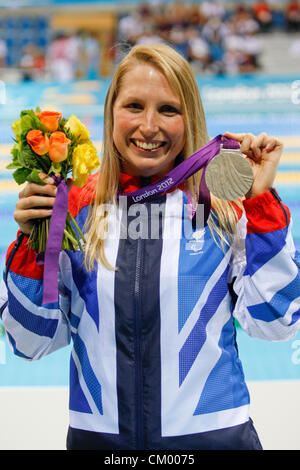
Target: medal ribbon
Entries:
(175, 177)
(184, 170)
(54, 241)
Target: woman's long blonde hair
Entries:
(182, 81)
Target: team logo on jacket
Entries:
(195, 244)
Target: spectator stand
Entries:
(215, 40)
(24, 40)
(30, 43)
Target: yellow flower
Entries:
(77, 128)
(85, 161)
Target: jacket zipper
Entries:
(138, 348)
(277, 197)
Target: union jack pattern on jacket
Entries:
(154, 363)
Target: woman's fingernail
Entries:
(49, 180)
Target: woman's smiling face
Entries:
(149, 128)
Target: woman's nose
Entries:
(149, 123)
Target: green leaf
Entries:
(61, 124)
(12, 166)
(17, 129)
(34, 177)
(15, 163)
(15, 151)
(24, 112)
(26, 123)
(27, 157)
(29, 120)
(27, 112)
(44, 163)
(21, 174)
(55, 168)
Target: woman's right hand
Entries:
(35, 201)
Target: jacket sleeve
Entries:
(33, 330)
(3, 296)
(264, 271)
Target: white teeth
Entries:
(145, 146)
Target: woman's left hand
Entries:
(263, 153)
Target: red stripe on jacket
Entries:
(265, 213)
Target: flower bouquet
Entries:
(45, 142)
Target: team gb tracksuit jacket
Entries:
(154, 361)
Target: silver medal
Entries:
(229, 175)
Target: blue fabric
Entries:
(278, 305)
(192, 274)
(86, 283)
(32, 288)
(197, 337)
(261, 247)
(88, 373)
(78, 401)
(35, 323)
(16, 351)
(225, 387)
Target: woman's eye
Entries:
(169, 110)
(134, 106)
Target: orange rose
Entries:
(58, 149)
(38, 141)
(50, 119)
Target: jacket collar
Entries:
(131, 183)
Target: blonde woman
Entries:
(150, 307)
